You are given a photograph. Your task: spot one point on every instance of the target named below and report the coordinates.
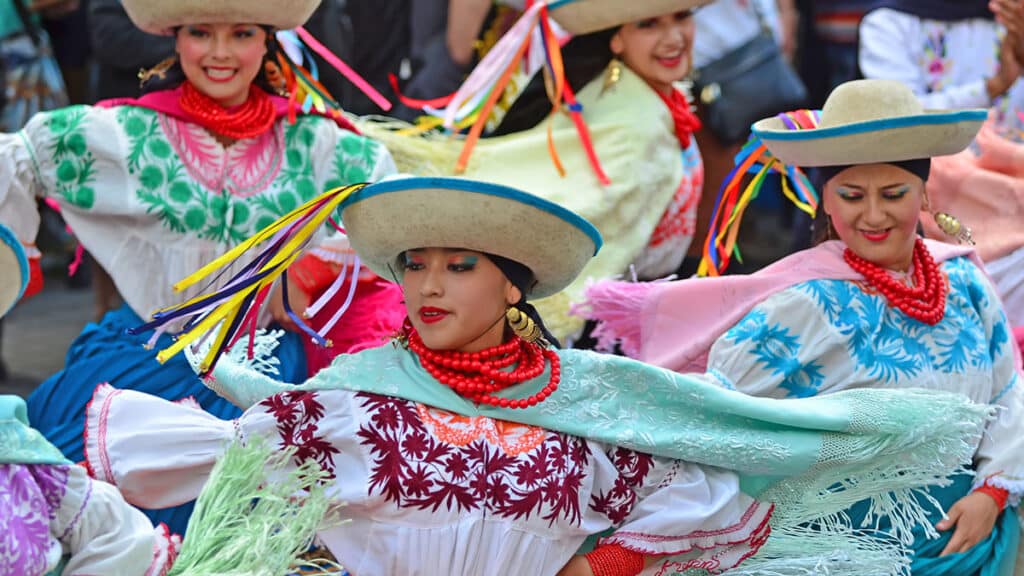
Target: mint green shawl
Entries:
(20, 443)
(812, 457)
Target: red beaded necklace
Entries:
(477, 375)
(251, 119)
(924, 301)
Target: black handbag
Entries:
(752, 82)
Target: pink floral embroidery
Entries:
(618, 502)
(680, 218)
(298, 415)
(513, 439)
(413, 469)
(936, 62)
(243, 169)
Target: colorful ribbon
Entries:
(732, 201)
(231, 311)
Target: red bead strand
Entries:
(924, 301)
(251, 119)
(478, 375)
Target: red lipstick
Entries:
(430, 315)
(876, 236)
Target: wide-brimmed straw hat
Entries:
(585, 16)
(384, 220)
(13, 270)
(871, 122)
(162, 16)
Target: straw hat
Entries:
(162, 16)
(13, 270)
(585, 16)
(871, 122)
(384, 220)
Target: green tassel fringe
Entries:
(254, 517)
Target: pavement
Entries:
(38, 332)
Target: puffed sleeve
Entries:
(689, 516)
(103, 534)
(18, 187)
(160, 453)
(886, 38)
(781, 349)
(999, 460)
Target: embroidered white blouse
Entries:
(819, 336)
(58, 520)
(154, 198)
(428, 492)
(945, 63)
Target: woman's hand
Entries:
(298, 300)
(974, 516)
(1009, 13)
(577, 566)
(1009, 67)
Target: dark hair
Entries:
(174, 76)
(522, 277)
(585, 57)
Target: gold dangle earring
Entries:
(952, 227)
(612, 74)
(159, 71)
(522, 325)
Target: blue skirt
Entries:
(104, 353)
(994, 556)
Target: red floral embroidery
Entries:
(414, 469)
(618, 502)
(298, 414)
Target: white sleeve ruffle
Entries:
(102, 534)
(694, 516)
(158, 453)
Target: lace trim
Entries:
(1014, 487)
(96, 414)
(751, 529)
(165, 550)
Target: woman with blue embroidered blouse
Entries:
(872, 305)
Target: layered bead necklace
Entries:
(478, 375)
(249, 120)
(924, 301)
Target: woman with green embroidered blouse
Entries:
(157, 187)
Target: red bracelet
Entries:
(1000, 495)
(615, 560)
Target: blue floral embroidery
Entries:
(890, 345)
(778, 351)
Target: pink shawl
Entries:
(674, 324)
(166, 102)
(983, 187)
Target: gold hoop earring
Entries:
(612, 75)
(952, 227)
(522, 325)
(159, 71)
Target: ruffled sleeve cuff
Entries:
(165, 549)
(101, 533)
(1013, 486)
(158, 453)
(714, 550)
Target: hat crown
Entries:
(867, 100)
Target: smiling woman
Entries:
(157, 187)
(873, 306)
(222, 60)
